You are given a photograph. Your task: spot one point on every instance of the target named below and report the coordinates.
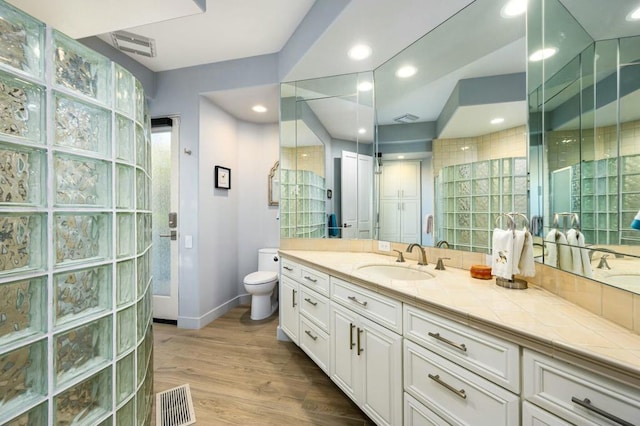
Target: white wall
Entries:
(258, 225)
(217, 212)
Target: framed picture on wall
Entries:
(222, 177)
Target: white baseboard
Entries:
(199, 322)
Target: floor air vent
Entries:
(174, 407)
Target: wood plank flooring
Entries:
(239, 374)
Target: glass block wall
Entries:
(469, 198)
(75, 306)
(605, 216)
(302, 204)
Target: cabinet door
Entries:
(289, 308)
(380, 357)
(391, 181)
(410, 221)
(390, 220)
(534, 416)
(410, 180)
(343, 363)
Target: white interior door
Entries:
(356, 195)
(349, 194)
(165, 219)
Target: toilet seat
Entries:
(260, 277)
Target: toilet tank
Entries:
(268, 260)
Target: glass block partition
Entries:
(470, 196)
(75, 302)
(605, 218)
(302, 204)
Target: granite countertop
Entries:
(533, 318)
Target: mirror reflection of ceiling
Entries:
(478, 42)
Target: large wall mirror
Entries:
(327, 157)
(584, 96)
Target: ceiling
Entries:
(194, 32)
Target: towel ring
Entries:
(512, 223)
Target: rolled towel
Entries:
(565, 258)
(636, 222)
(576, 257)
(526, 265)
(518, 244)
(502, 254)
(551, 258)
(587, 270)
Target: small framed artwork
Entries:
(222, 177)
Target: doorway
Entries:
(165, 216)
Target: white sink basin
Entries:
(395, 272)
(623, 279)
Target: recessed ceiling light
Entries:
(365, 86)
(465, 148)
(406, 71)
(497, 120)
(400, 157)
(259, 108)
(362, 130)
(541, 54)
(514, 8)
(634, 15)
(359, 52)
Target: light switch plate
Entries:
(384, 246)
(188, 241)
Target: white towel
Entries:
(428, 224)
(502, 254)
(551, 258)
(565, 259)
(584, 255)
(518, 244)
(576, 257)
(526, 265)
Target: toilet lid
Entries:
(260, 277)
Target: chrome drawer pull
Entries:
(306, 299)
(460, 346)
(586, 403)
(461, 393)
(310, 279)
(311, 335)
(353, 299)
(288, 268)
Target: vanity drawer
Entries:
(533, 415)
(318, 281)
(490, 357)
(315, 307)
(454, 393)
(315, 343)
(289, 268)
(575, 394)
(416, 414)
(381, 309)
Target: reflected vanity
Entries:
(449, 163)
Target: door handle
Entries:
(346, 225)
(351, 344)
(360, 350)
(173, 234)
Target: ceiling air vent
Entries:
(134, 43)
(406, 118)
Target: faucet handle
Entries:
(440, 263)
(400, 256)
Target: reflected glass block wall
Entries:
(75, 240)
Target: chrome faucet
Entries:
(441, 243)
(423, 255)
(592, 250)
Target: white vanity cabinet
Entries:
(289, 307)
(577, 395)
(366, 362)
(458, 374)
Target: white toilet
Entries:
(261, 284)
